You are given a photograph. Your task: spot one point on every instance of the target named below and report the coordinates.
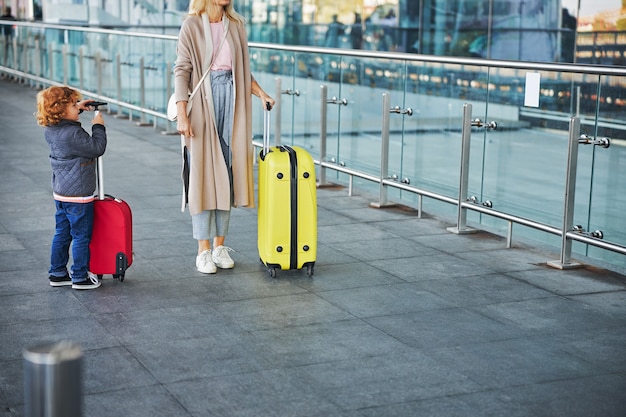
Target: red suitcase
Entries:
(111, 244)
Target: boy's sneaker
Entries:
(221, 258)
(60, 281)
(92, 282)
(204, 263)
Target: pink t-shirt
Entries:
(223, 60)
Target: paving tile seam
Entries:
(441, 397)
(569, 296)
(539, 338)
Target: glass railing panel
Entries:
(71, 55)
(100, 71)
(359, 123)
(167, 48)
(158, 68)
(45, 51)
(24, 52)
(583, 90)
(266, 66)
(53, 41)
(6, 49)
(436, 94)
(164, 65)
(154, 73)
(69, 50)
(353, 99)
(36, 37)
(121, 68)
(525, 159)
(18, 47)
(278, 80)
(326, 70)
(305, 98)
(606, 198)
(296, 79)
(399, 122)
(135, 50)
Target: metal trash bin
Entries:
(53, 380)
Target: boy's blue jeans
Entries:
(74, 223)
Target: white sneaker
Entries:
(204, 263)
(221, 257)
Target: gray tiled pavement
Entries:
(401, 317)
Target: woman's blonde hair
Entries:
(197, 7)
(52, 104)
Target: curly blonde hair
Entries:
(52, 104)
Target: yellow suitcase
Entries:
(287, 209)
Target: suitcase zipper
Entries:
(293, 181)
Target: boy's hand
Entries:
(84, 105)
(97, 118)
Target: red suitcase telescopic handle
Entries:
(100, 171)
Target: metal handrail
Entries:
(403, 56)
(88, 29)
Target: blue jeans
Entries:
(74, 224)
(210, 223)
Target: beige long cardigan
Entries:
(205, 175)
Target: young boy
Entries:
(73, 154)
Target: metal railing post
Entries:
(98, 60)
(168, 92)
(65, 63)
(278, 111)
(26, 63)
(323, 134)
(384, 148)
(118, 85)
(142, 92)
(565, 262)
(461, 221)
(17, 56)
(384, 154)
(81, 67)
(325, 101)
(37, 63)
(51, 61)
(14, 54)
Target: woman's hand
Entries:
(183, 124)
(266, 99)
(260, 93)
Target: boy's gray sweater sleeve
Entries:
(89, 146)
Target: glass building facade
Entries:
(581, 31)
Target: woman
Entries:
(216, 136)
